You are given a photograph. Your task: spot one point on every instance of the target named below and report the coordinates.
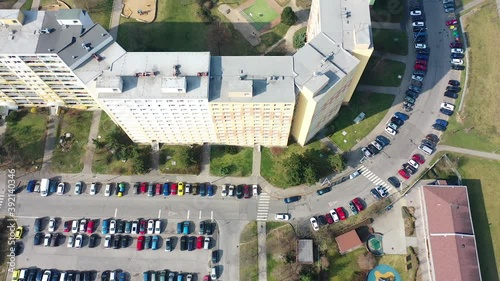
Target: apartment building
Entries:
(60, 58)
(39, 51)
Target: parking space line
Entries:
(188, 215)
(199, 216)
(159, 213)
(211, 215)
(116, 212)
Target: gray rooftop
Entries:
(319, 60)
(305, 251)
(271, 79)
(25, 37)
(69, 14)
(190, 65)
(347, 22)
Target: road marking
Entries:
(116, 212)
(263, 207)
(374, 178)
(212, 215)
(188, 215)
(199, 216)
(170, 213)
(159, 213)
(332, 203)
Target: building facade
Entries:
(60, 58)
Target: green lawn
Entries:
(177, 154)
(99, 10)
(398, 262)
(249, 265)
(272, 159)
(70, 158)
(390, 41)
(27, 5)
(274, 35)
(104, 163)
(281, 252)
(387, 11)
(481, 178)
(24, 141)
(383, 72)
(375, 106)
(260, 14)
(236, 165)
(477, 126)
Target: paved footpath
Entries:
(89, 153)
(115, 18)
(262, 259)
(470, 152)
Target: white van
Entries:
(426, 149)
(44, 187)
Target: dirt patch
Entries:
(143, 10)
(367, 261)
(409, 220)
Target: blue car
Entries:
(122, 276)
(422, 57)
(203, 190)
(446, 111)
(154, 243)
(383, 141)
(31, 186)
(166, 189)
(52, 186)
(402, 116)
(179, 227)
(105, 227)
(185, 227)
(145, 276)
(292, 199)
(210, 190)
(416, 89)
(442, 122)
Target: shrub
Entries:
(299, 38)
(288, 17)
(13, 117)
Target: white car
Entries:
(93, 189)
(223, 191)
(46, 240)
(415, 13)
(390, 131)
(418, 24)
(206, 244)
(420, 46)
(448, 106)
(457, 61)
(79, 241)
(135, 227)
(112, 227)
(78, 188)
(71, 241)
(314, 223)
(83, 225)
(382, 191)
(60, 188)
(151, 227)
(107, 242)
(213, 274)
(107, 190)
(393, 126)
(74, 226)
(63, 276)
(282, 217)
(112, 275)
(46, 275)
(158, 227)
(457, 51)
(334, 215)
(417, 78)
(231, 190)
(255, 189)
(377, 145)
(52, 225)
(354, 174)
(189, 277)
(413, 163)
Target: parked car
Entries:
(415, 13)
(456, 61)
(442, 122)
(341, 213)
(394, 182)
(403, 173)
(291, 199)
(314, 223)
(420, 67)
(78, 188)
(457, 67)
(450, 94)
(282, 216)
(366, 152)
(418, 158)
(61, 188)
(457, 56)
(390, 131)
(383, 141)
(93, 189)
(324, 190)
(420, 46)
(433, 138)
(446, 111)
(456, 45)
(451, 22)
(439, 127)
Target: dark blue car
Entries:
(31, 186)
(383, 141)
(52, 186)
(292, 199)
(203, 190)
(446, 111)
(166, 189)
(442, 122)
(401, 116)
(422, 57)
(210, 190)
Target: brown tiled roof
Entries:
(454, 258)
(447, 209)
(348, 241)
(451, 235)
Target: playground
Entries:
(260, 14)
(143, 10)
(383, 272)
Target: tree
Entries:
(299, 38)
(293, 167)
(288, 17)
(310, 174)
(226, 169)
(185, 156)
(337, 162)
(231, 149)
(98, 144)
(13, 117)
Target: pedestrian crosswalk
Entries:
(373, 178)
(263, 207)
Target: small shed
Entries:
(348, 242)
(305, 251)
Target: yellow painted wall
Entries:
(304, 111)
(363, 55)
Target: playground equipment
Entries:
(142, 13)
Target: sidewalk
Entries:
(89, 153)
(50, 141)
(471, 152)
(262, 238)
(115, 18)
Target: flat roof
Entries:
(272, 78)
(305, 251)
(192, 65)
(24, 37)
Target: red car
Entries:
(422, 62)
(418, 158)
(358, 204)
(404, 174)
(140, 243)
(246, 191)
(451, 22)
(144, 187)
(455, 45)
(67, 226)
(90, 227)
(173, 189)
(142, 227)
(340, 212)
(329, 218)
(199, 242)
(420, 67)
(158, 189)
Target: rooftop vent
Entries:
(87, 46)
(47, 30)
(147, 74)
(176, 70)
